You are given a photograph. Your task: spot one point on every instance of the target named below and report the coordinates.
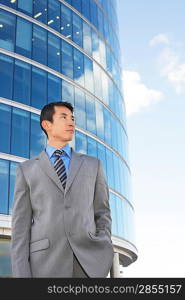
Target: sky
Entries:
(152, 40)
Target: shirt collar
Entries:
(50, 150)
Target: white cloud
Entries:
(170, 60)
(136, 94)
(173, 69)
(159, 39)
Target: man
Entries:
(61, 223)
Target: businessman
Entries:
(61, 223)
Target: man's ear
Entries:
(46, 124)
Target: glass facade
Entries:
(55, 50)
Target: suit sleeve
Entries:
(102, 214)
(21, 224)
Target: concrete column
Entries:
(115, 269)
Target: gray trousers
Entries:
(78, 271)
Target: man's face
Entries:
(63, 125)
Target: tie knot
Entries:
(58, 153)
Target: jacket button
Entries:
(67, 206)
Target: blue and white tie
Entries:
(60, 167)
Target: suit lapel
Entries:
(47, 167)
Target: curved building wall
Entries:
(55, 50)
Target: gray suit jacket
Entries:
(50, 223)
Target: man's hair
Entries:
(48, 111)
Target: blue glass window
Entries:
(80, 108)
(97, 81)
(9, 3)
(114, 132)
(6, 76)
(86, 9)
(100, 22)
(67, 92)
(25, 6)
(40, 10)
(66, 22)
(22, 82)
(69, 1)
(95, 46)
(7, 30)
(5, 127)
(39, 88)
(54, 56)
(89, 80)
(90, 113)
(102, 53)
(105, 87)
(87, 39)
(99, 120)
(37, 137)
(91, 147)
(78, 67)
(39, 44)
(67, 59)
(13, 166)
(4, 178)
(23, 37)
(54, 88)
(20, 132)
(77, 4)
(94, 13)
(54, 14)
(80, 142)
(107, 126)
(77, 30)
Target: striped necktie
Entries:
(60, 167)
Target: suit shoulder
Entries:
(91, 159)
(27, 163)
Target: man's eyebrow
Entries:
(64, 114)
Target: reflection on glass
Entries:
(20, 132)
(54, 55)
(7, 30)
(22, 79)
(90, 114)
(37, 137)
(80, 142)
(80, 114)
(89, 82)
(67, 59)
(5, 262)
(91, 147)
(5, 127)
(66, 22)
(67, 92)
(99, 120)
(78, 67)
(54, 88)
(39, 45)
(4, 182)
(23, 37)
(87, 44)
(13, 166)
(6, 76)
(39, 88)
(40, 10)
(77, 30)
